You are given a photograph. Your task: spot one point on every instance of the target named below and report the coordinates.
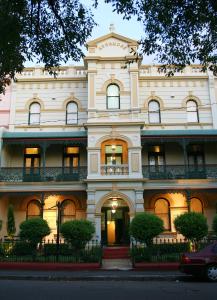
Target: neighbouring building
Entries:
(108, 140)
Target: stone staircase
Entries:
(116, 258)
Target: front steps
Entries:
(116, 258)
(116, 253)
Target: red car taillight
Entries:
(185, 259)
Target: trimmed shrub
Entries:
(77, 233)
(34, 230)
(11, 229)
(22, 248)
(214, 224)
(145, 226)
(193, 226)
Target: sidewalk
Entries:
(99, 275)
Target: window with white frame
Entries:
(192, 111)
(34, 113)
(71, 113)
(154, 112)
(113, 96)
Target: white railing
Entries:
(114, 170)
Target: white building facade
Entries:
(108, 140)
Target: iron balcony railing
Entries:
(42, 174)
(180, 172)
(115, 169)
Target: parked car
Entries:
(202, 263)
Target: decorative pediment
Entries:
(112, 45)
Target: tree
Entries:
(11, 228)
(179, 32)
(192, 226)
(49, 31)
(214, 224)
(33, 231)
(145, 226)
(77, 232)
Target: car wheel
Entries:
(211, 273)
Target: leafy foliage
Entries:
(77, 232)
(11, 229)
(49, 31)
(34, 230)
(214, 224)
(192, 225)
(145, 226)
(180, 32)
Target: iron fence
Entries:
(21, 251)
(42, 174)
(180, 171)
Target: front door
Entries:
(115, 226)
(32, 164)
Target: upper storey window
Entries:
(192, 111)
(113, 96)
(154, 112)
(34, 113)
(72, 113)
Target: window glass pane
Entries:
(75, 162)
(34, 118)
(153, 106)
(72, 107)
(113, 90)
(31, 150)
(192, 113)
(28, 162)
(35, 108)
(72, 150)
(196, 205)
(72, 118)
(113, 102)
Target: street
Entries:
(105, 290)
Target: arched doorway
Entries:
(115, 222)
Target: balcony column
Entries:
(185, 156)
(43, 148)
(188, 199)
(139, 205)
(42, 204)
(91, 216)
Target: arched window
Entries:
(33, 209)
(162, 210)
(154, 112)
(196, 205)
(68, 211)
(34, 113)
(113, 96)
(192, 111)
(72, 113)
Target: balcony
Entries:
(114, 169)
(56, 174)
(180, 172)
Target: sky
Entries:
(104, 16)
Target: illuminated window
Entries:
(32, 160)
(34, 113)
(192, 111)
(33, 209)
(154, 112)
(113, 96)
(71, 113)
(162, 210)
(71, 158)
(68, 211)
(113, 154)
(196, 205)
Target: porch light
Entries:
(113, 147)
(114, 205)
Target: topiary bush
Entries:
(34, 230)
(11, 228)
(214, 224)
(193, 226)
(77, 233)
(145, 226)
